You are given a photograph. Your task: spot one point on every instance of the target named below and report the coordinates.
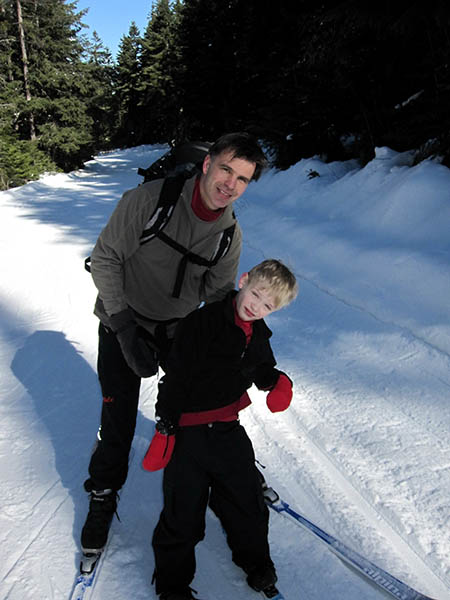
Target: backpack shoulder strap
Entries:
(168, 198)
(224, 244)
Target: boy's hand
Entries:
(161, 447)
(280, 397)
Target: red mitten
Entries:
(159, 452)
(281, 395)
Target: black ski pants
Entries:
(214, 463)
(108, 467)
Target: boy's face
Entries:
(224, 179)
(253, 301)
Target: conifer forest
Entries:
(329, 78)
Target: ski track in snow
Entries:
(424, 432)
(372, 516)
(362, 452)
(310, 419)
(371, 314)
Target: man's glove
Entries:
(161, 447)
(281, 395)
(136, 343)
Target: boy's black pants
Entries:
(214, 463)
(108, 467)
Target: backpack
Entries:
(176, 166)
(186, 158)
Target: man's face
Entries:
(224, 179)
(253, 300)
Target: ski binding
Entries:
(89, 561)
(272, 592)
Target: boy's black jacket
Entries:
(209, 366)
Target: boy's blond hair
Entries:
(272, 274)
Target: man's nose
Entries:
(230, 181)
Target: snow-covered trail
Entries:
(371, 367)
(363, 452)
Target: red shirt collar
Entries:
(198, 206)
(246, 326)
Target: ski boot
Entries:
(102, 507)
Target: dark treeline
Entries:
(306, 77)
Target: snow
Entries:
(363, 451)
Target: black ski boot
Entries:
(102, 507)
(263, 581)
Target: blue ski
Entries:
(84, 581)
(89, 567)
(396, 588)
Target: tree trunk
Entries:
(25, 67)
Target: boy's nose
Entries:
(255, 306)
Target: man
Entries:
(145, 288)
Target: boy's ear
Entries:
(243, 280)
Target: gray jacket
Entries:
(141, 276)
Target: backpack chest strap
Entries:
(196, 259)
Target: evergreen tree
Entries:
(100, 102)
(53, 88)
(381, 62)
(232, 54)
(159, 60)
(10, 82)
(21, 161)
(303, 75)
(128, 68)
(58, 84)
(206, 37)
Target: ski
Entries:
(85, 578)
(396, 588)
(90, 564)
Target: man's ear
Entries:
(243, 280)
(206, 164)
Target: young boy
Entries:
(219, 351)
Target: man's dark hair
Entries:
(242, 145)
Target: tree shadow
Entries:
(82, 201)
